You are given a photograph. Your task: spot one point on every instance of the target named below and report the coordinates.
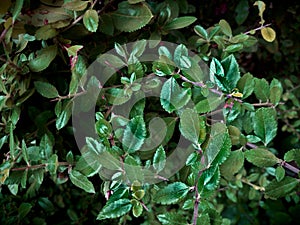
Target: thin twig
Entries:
(258, 28)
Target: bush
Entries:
(147, 112)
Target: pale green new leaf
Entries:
(115, 209)
(134, 134)
(130, 17)
(261, 157)
(91, 20)
(172, 96)
(44, 57)
(180, 22)
(190, 125)
(282, 188)
(171, 194)
(199, 30)
(279, 173)
(265, 124)
(81, 181)
(47, 90)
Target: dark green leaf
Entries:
(44, 57)
(209, 179)
(190, 125)
(106, 24)
(24, 152)
(134, 134)
(261, 157)
(135, 1)
(81, 181)
(64, 116)
(171, 194)
(246, 85)
(117, 96)
(171, 218)
(52, 164)
(24, 209)
(91, 20)
(159, 159)
(115, 209)
(265, 124)
(225, 28)
(262, 89)
(282, 188)
(275, 91)
(17, 9)
(233, 164)
(234, 48)
(279, 173)
(242, 11)
(46, 89)
(293, 155)
(209, 104)
(129, 17)
(232, 74)
(219, 145)
(172, 96)
(180, 22)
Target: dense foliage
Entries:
(149, 112)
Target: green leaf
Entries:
(135, 1)
(234, 48)
(47, 90)
(81, 181)
(190, 125)
(209, 179)
(106, 24)
(293, 155)
(134, 134)
(233, 164)
(44, 57)
(24, 209)
(199, 30)
(209, 104)
(261, 157)
(246, 85)
(137, 209)
(159, 159)
(24, 152)
(262, 89)
(282, 188)
(91, 20)
(75, 5)
(261, 8)
(242, 11)
(172, 96)
(279, 173)
(17, 9)
(46, 147)
(52, 164)
(232, 74)
(180, 22)
(171, 218)
(171, 194)
(265, 124)
(115, 209)
(64, 116)
(275, 91)
(219, 145)
(129, 17)
(45, 33)
(225, 28)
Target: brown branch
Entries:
(197, 198)
(38, 166)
